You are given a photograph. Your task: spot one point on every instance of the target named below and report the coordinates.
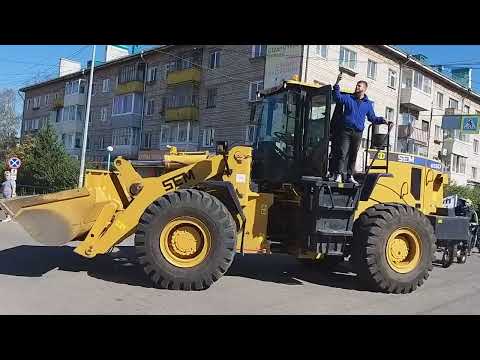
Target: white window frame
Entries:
(208, 134)
(103, 113)
(210, 105)
(450, 103)
(150, 107)
(321, 51)
(152, 74)
(466, 109)
(392, 74)
(29, 103)
(147, 140)
(217, 57)
(252, 92)
(438, 133)
(474, 172)
(134, 95)
(249, 141)
(162, 130)
(46, 99)
(476, 146)
(387, 111)
(439, 103)
(258, 51)
(348, 62)
(36, 102)
(105, 85)
(371, 64)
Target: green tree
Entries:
(45, 163)
(9, 122)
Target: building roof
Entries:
(101, 66)
(411, 60)
(389, 48)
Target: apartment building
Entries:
(183, 96)
(190, 96)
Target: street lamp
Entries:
(109, 149)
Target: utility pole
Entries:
(87, 117)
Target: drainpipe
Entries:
(395, 140)
(140, 145)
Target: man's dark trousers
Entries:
(345, 147)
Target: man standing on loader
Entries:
(347, 134)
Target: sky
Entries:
(21, 64)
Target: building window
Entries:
(458, 164)
(425, 126)
(255, 86)
(372, 69)
(46, 99)
(348, 58)
(78, 140)
(452, 103)
(164, 134)
(212, 98)
(438, 133)
(208, 137)
(258, 50)
(475, 146)
(321, 50)
(103, 114)
(422, 83)
(127, 104)
(73, 113)
(439, 100)
(150, 108)
(152, 74)
(29, 103)
(59, 115)
(134, 72)
(125, 136)
(147, 140)
(250, 134)
(392, 78)
(466, 109)
(36, 102)
(214, 61)
(75, 87)
(106, 85)
(389, 113)
(474, 172)
(102, 142)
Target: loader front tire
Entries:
(393, 248)
(186, 240)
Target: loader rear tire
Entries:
(186, 240)
(393, 248)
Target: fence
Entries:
(25, 190)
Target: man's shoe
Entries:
(338, 178)
(351, 180)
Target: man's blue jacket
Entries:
(355, 110)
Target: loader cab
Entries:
(292, 133)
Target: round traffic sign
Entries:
(14, 163)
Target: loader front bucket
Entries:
(55, 219)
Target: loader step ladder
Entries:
(329, 211)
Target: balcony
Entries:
(129, 87)
(182, 113)
(126, 121)
(75, 99)
(58, 103)
(420, 136)
(415, 99)
(184, 76)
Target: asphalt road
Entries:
(35, 279)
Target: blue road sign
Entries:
(14, 163)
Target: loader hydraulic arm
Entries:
(114, 225)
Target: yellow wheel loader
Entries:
(273, 196)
